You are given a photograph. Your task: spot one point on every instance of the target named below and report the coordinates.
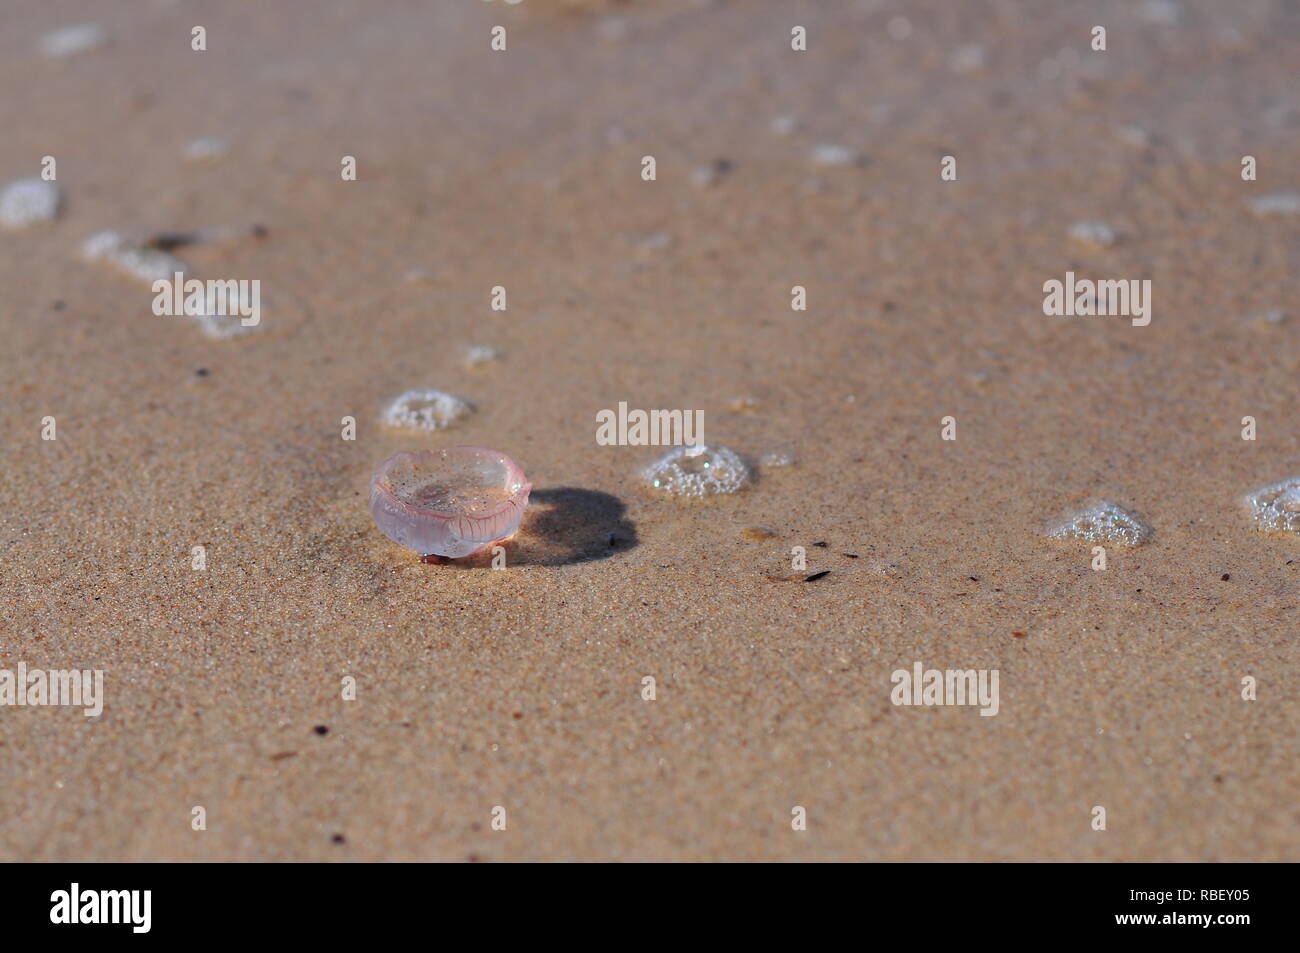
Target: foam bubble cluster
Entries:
(222, 314)
(777, 458)
(27, 201)
(137, 260)
(426, 409)
(1276, 507)
(1102, 522)
(698, 471)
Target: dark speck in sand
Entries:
(823, 544)
(200, 372)
(1225, 577)
(321, 730)
(58, 306)
(1017, 635)
(817, 575)
(850, 555)
(339, 839)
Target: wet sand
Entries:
(522, 688)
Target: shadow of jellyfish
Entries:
(566, 525)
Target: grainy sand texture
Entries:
(1162, 689)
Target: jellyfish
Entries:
(453, 502)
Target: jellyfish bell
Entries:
(453, 502)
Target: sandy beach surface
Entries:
(523, 688)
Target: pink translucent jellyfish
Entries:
(453, 502)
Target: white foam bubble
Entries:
(1276, 507)
(24, 202)
(833, 154)
(899, 28)
(69, 40)
(783, 125)
(426, 409)
(1277, 203)
(480, 354)
(1273, 316)
(222, 315)
(1163, 12)
(968, 58)
(201, 150)
(1102, 522)
(698, 471)
(1097, 234)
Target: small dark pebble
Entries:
(822, 544)
(1225, 577)
(321, 730)
(259, 231)
(58, 306)
(339, 839)
(1018, 635)
(200, 372)
(817, 575)
(973, 578)
(1218, 779)
(851, 555)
